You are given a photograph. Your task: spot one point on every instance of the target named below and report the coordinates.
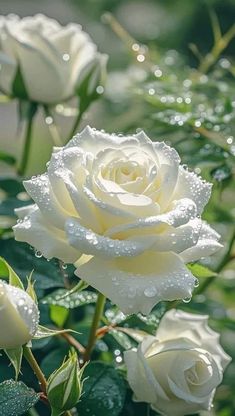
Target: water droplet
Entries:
(38, 254)
(48, 120)
(150, 291)
(196, 282)
(135, 47)
(187, 300)
(140, 58)
(99, 89)
(66, 57)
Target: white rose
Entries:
(178, 370)
(19, 317)
(128, 205)
(49, 57)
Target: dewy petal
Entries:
(13, 330)
(93, 141)
(60, 167)
(177, 323)
(51, 242)
(88, 242)
(40, 190)
(137, 284)
(180, 213)
(168, 160)
(189, 185)
(207, 244)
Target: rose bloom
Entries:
(49, 59)
(19, 316)
(125, 212)
(178, 370)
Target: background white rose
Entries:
(19, 316)
(178, 370)
(130, 207)
(48, 57)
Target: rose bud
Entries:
(65, 386)
(19, 317)
(41, 60)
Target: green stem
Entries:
(68, 413)
(219, 267)
(75, 126)
(52, 127)
(28, 355)
(28, 139)
(95, 323)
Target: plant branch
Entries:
(95, 323)
(72, 341)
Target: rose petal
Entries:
(189, 185)
(207, 244)
(51, 242)
(137, 284)
(177, 323)
(41, 191)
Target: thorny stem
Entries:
(93, 331)
(28, 355)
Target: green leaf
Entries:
(43, 332)
(15, 357)
(58, 315)
(6, 272)
(16, 398)
(18, 86)
(46, 274)
(30, 289)
(121, 338)
(198, 270)
(104, 391)
(9, 159)
(70, 301)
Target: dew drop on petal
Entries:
(150, 291)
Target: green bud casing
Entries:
(65, 385)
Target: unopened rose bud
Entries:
(65, 386)
(19, 317)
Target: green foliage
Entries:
(15, 357)
(16, 398)
(104, 391)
